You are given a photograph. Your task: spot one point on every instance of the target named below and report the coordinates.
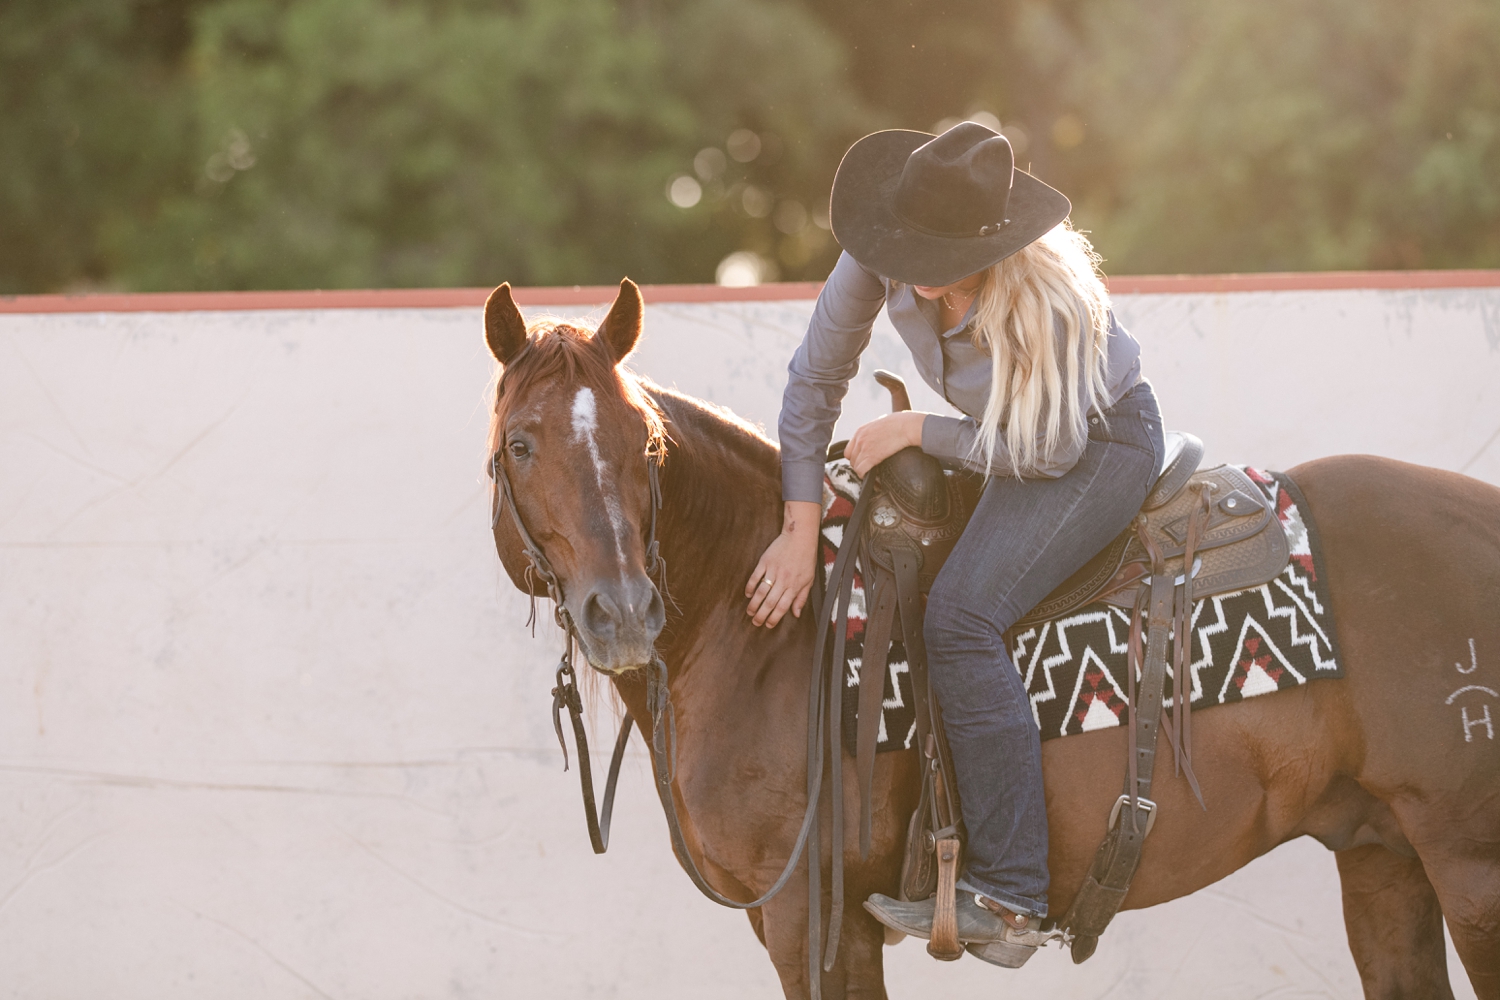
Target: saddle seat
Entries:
(917, 503)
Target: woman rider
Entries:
(1006, 316)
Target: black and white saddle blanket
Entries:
(1244, 644)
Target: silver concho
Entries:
(885, 516)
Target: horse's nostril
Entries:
(645, 611)
(600, 615)
(656, 613)
(629, 613)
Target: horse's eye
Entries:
(519, 449)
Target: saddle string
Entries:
(1134, 663)
(1179, 736)
(1182, 668)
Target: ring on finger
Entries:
(766, 582)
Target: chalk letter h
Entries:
(1469, 725)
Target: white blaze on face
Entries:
(585, 418)
(585, 425)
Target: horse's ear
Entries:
(622, 327)
(504, 329)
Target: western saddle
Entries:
(1212, 522)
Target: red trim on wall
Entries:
(598, 295)
(1301, 281)
(392, 298)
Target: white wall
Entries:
(270, 725)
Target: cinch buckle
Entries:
(1146, 804)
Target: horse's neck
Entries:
(734, 686)
(721, 506)
(721, 488)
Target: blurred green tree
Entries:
(271, 143)
(346, 143)
(922, 62)
(92, 132)
(1280, 135)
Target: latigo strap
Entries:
(1134, 814)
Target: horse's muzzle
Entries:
(618, 622)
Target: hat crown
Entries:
(958, 184)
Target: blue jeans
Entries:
(1026, 537)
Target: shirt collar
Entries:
(932, 313)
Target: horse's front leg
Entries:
(857, 971)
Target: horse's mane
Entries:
(728, 488)
(558, 349)
(731, 432)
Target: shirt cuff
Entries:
(943, 438)
(802, 480)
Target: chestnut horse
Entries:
(1395, 767)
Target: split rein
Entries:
(658, 700)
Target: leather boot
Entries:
(977, 923)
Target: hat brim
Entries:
(864, 221)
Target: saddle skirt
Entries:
(1260, 615)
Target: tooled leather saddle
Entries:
(1199, 533)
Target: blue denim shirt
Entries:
(821, 369)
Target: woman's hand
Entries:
(784, 576)
(881, 438)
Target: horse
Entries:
(1390, 767)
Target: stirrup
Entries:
(1013, 954)
(1005, 954)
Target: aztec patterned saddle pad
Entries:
(1244, 644)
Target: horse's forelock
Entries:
(559, 350)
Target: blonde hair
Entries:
(1052, 281)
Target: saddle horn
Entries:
(896, 386)
(912, 478)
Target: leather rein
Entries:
(663, 737)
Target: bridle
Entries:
(664, 727)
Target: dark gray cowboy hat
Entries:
(930, 210)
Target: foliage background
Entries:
(180, 144)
